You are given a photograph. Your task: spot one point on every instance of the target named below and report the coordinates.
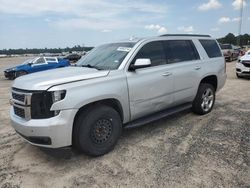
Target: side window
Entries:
(51, 60)
(211, 47)
(153, 51)
(40, 61)
(180, 50)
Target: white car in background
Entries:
(243, 65)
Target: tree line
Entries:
(20, 51)
(230, 38)
(240, 40)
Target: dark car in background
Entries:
(73, 57)
(35, 65)
(230, 52)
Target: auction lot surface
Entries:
(184, 150)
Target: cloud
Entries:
(224, 20)
(236, 19)
(78, 7)
(237, 4)
(227, 20)
(106, 31)
(188, 29)
(211, 4)
(215, 29)
(80, 14)
(160, 29)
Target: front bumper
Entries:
(242, 70)
(9, 74)
(53, 132)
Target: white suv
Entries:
(243, 65)
(117, 85)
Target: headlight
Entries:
(58, 95)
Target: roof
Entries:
(184, 35)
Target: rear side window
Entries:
(211, 47)
(51, 60)
(153, 51)
(180, 50)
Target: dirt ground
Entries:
(183, 150)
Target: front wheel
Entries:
(20, 73)
(97, 130)
(238, 76)
(204, 100)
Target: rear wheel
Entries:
(96, 130)
(20, 73)
(204, 100)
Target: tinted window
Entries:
(153, 51)
(211, 47)
(180, 50)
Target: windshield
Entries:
(225, 46)
(27, 61)
(107, 56)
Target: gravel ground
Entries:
(183, 150)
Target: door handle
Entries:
(166, 74)
(197, 68)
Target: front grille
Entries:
(32, 104)
(19, 97)
(246, 63)
(246, 72)
(19, 112)
(41, 103)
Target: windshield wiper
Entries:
(91, 66)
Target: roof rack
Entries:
(184, 35)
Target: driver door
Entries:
(150, 88)
(39, 65)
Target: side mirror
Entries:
(140, 63)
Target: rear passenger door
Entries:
(150, 88)
(185, 65)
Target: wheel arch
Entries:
(210, 79)
(112, 102)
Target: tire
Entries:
(20, 73)
(97, 130)
(231, 58)
(238, 76)
(204, 100)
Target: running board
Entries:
(156, 116)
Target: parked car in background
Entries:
(123, 84)
(243, 65)
(73, 57)
(229, 51)
(35, 65)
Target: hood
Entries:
(225, 50)
(46, 79)
(245, 57)
(19, 67)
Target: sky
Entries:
(65, 23)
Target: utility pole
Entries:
(240, 22)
